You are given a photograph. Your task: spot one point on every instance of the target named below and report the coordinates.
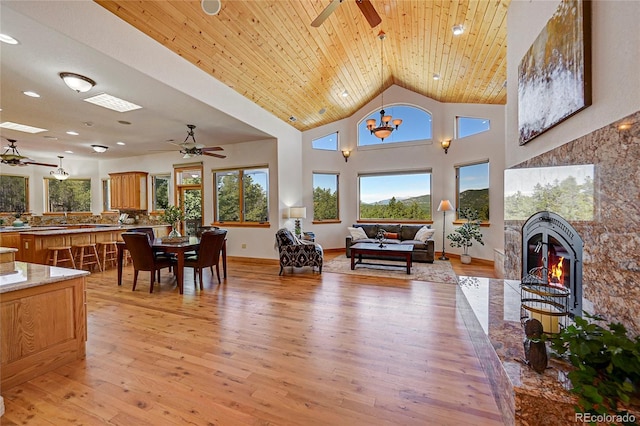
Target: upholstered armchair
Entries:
(296, 253)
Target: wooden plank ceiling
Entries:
(268, 52)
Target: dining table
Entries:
(177, 248)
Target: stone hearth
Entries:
(490, 309)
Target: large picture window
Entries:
(416, 126)
(325, 197)
(395, 196)
(473, 189)
(14, 194)
(242, 195)
(71, 195)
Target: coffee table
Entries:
(402, 251)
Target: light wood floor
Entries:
(260, 349)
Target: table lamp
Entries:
(298, 213)
(444, 207)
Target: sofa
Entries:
(396, 234)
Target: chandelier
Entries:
(384, 129)
(60, 174)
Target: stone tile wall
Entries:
(611, 258)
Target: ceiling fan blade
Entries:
(212, 148)
(214, 155)
(33, 163)
(325, 13)
(369, 12)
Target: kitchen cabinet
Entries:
(129, 190)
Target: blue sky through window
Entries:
(468, 126)
(382, 187)
(416, 125)
(328, 142)
(474, 177)
(325, 181)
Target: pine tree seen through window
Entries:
(14, 194)
(242, 195)
(398, 196)
(473, 189)
(325, 196)
(71, 195)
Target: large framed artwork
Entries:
(554, 76)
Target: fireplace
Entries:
(551, 270)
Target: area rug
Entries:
(437, 272)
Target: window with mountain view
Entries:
(14, 194)
(416, 126)
(71, 195)
(242, 195)
(325, 197)
(395, 196)
(472, 183)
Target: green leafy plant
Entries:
(172, 214)
(606, 361)
(464, 236)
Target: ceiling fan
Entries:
(190, 148)
(365, 6)
(12, 157)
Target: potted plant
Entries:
(172, 215)
(464, 236)
(606, 377)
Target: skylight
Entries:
(111, 102)
(21, 127)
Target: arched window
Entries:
(416, 125)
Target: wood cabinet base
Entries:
(42, 328)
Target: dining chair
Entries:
(207, 255)
(144, 258)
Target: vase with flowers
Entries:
(173, 215)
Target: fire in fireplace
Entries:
(552, 270)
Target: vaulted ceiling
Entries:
(269, 52)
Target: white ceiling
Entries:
(34, 64)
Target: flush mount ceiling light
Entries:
(5, 38)
(60, 174)
(99, 148)
(457, 29)
(384, 129)
(77, 82)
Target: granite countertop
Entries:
(4, 250)
(20, 275)
(28, 228)
(98, 228)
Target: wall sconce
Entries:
(346, 153)
(445, 143)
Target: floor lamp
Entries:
(444, 207)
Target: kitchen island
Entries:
(43, 320)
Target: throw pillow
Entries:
(391, 235)
(424, 234)
(357, 233)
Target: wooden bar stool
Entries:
(60, 254)
(87, 255)
(109, 252)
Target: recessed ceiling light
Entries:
(111, 102)
(8, 39)
(457, 29)
(344, 94)
(120, 143)
(72, 133)
(21, 127)
(31, 94)
(436, 76)
(69, 152)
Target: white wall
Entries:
(487, 145)
(615, 38)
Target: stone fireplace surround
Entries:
(611, 258)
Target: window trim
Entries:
(337, 175)
(153, 209)
(46, 181)
(241, 222)
(457, 220)
(429, 171)
(26, 192)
